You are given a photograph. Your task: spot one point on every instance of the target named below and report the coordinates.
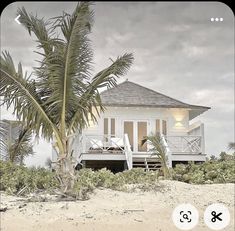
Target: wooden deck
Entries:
(103, 148)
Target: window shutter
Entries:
(158, 126)
(106, 126)
(112, 127)
(164, 127)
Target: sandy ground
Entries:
(112, 210)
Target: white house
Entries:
(132, 112)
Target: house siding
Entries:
(177, 119)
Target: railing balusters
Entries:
(185, 144)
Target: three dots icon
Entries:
(217, 19)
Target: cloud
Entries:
(178, 28)
(193, 51)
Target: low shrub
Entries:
(14, 178)
(87, 180)
(213, 171)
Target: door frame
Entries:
(135, 131)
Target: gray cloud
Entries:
(178, 51)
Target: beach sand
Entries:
(109, 210)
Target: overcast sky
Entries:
(178, 51)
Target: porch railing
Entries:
(104, 144)
(197, 129)
(185, 144)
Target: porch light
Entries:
(178, 125)
(178, 114)
(179, 117)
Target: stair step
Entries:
(154, 165)
(149, 164)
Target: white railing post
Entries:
(128, 152)
(202, 139)
(168, 152)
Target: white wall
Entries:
(177, 119)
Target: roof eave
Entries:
(197, 111)
(193, 107)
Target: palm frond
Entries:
(21, 94)
(78, 55)
(22, 146)
(90, 99)
(38, 27)
(157, 150)
(3, 140)
(15, 141)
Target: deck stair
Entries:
(146, 163)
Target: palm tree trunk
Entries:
(65, 169)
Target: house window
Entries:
(129, 130)
(142, 132)
(164, 127)
(109, 127)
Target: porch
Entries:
(118, 149)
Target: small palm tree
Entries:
(15, 143)
(62, 95)
(158, 150)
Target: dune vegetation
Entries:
(20, 180)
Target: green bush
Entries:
(213, 171)
(87, 180)
(14, 178)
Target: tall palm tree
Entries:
(15, 142)
(63, 93)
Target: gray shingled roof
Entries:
(130, 94)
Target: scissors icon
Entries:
(215, 216)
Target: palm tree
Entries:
(15, 143)
(63, 94)
(158, 150)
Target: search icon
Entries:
(185, 216)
